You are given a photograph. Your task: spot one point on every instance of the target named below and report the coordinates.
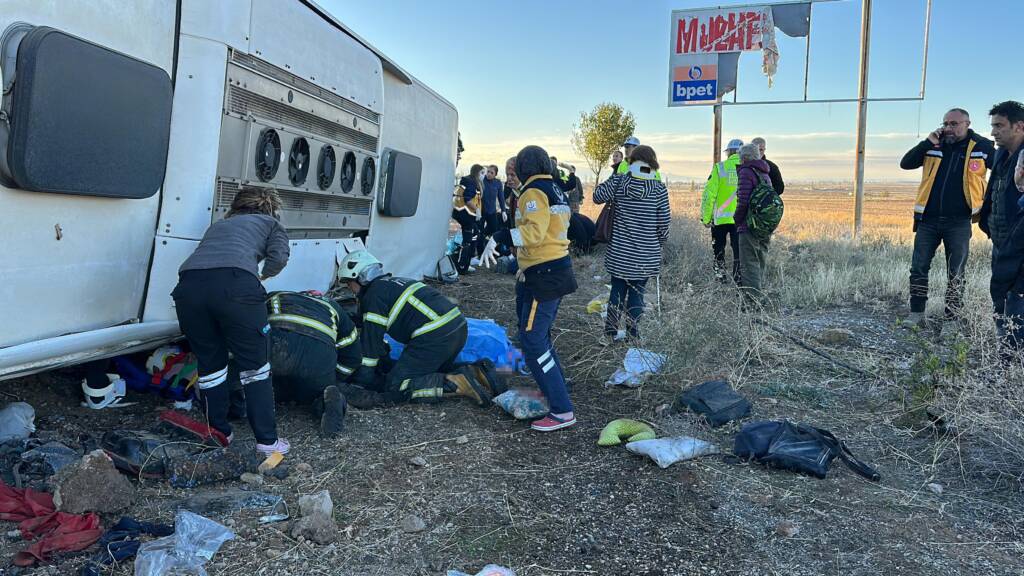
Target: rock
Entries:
(252, 479)
(91, 485)
(662, 410)
(462, 439)
(835, 336)
(303, 468)
(273, 553)
(318, 504)
(413, 523)
(418, 461)
(935, 488)
(787, 529)
(316, 528)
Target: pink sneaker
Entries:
(550, 423)
(281, 446)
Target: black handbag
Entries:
(798, 448)
(716, 401)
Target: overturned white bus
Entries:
(127, 126)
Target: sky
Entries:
(521, 71)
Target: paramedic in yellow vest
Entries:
(631, 143)
(545, 276)
(718, 205)
(466, 210)
(955, 161)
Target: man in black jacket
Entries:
(773, 169)
(1002, 221)
(955, 161)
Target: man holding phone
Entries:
(955, 162)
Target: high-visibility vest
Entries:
(718, 204)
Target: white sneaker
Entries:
(471, 269)
(282, 446)
(474, 261)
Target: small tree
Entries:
(599, 133)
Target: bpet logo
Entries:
(695, 83)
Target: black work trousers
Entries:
(470, 232)
(303, 367)
(955, 236)
(719, 234)
(418, 373)
(221, 311)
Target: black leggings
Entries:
(470, 230)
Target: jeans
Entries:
(535, 322)
(719, 234)
(955, 236)
(753, 263)
(630, 292)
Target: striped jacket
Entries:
(639, 226)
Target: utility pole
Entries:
(717, 140)
(862, 117)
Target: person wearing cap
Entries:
(718, 206)
(631, 143)
(431, 328)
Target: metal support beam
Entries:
(862, 118)
(717, 140)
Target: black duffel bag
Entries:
(796, 447)
(716, 401)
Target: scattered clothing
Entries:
(667, 451)
(624, 429)
(121, 542)
(39, 521)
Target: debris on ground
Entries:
(213, 466)
(418, 461)
(624, 429)
(54, 454)
(636, 367)
(834, 336)
(716, 401)
(462, 439)
(228, 501)
(51, 531)
(194, 542)
(667, 451)
(412, 524)
(523, 404)
(787, 529)
(317, 521)
(92, 484)
(252, 479)
(489, 570)
(17, 421)
(935, 487)
(121, 542)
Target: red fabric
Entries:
(38, 520)
(203, 431)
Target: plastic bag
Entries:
(523, 404)
(636, 367)
(489, 570)
(599, 305)
(668, 451)
(17, 421)
(194, 542)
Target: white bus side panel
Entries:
(419, 123)
(225, 21)
(74, 263)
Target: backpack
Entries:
(796, 447)
(764, 212)
(716, 401)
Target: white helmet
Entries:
(360, 266)
(632, 141)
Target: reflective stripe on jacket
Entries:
(718, 203)
(976, 166)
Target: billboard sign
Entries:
(695, 81)
(720, 30)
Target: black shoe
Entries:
(332, 422)
(362, 398)
(486, 373)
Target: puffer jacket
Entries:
(639, 226)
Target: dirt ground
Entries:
(494, 492)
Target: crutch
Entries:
(657, 291)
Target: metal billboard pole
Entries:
(862, 117)
(717, 140)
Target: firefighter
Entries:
(313, 344)
(431, 328)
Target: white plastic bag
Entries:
(489, 570)
(194, 542)
(636, 367)
(17, 421)
(668, 451)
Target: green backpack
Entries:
(765, 209)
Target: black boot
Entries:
(361, 398)
(332, 408)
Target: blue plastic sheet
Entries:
(486, 340)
